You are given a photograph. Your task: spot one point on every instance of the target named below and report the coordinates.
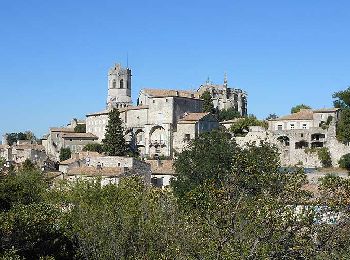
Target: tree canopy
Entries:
(65, 153)
(297, 108)
(227, 114)
(93, 147)
(114, 142)
(208, 105)
(342, 100)
(80, 128)
(241, 127)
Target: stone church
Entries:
(163, 120)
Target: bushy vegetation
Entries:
(65, 153)
(227, 114)
(241, 127)
(93, 147)
(227, 202)
(80, 128)
(325, 157)
(297, 108)
(344, 161)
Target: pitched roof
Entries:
(171, 93)
(61, 129)
(93, 171)
(80, 135)
(193, 117)
(29, 146)
(326, 110)
(106, 111)
(303, 114)
(162, 166)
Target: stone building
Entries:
(225, 97)
(154, 125)
(299, 135)
(65, 137)
(111, 169)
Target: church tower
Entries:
(119, 87)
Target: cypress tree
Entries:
(114, 142)
(208, 105)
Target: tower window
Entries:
(114, 84)
(121, 83)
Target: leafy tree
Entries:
(80, 128)
(344, 161)
(208, 105)
(114, 142)
(93, 147)
(324, 156)
(27, 165)
(30, 136)
(342, 98)
(241, 127)
(65, 153)
(228, 114)
(271, 116)
(297, 108)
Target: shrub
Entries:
(344, 161)
(325, 157)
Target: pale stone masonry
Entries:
(156, 126)
(299, 135)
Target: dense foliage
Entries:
(93, 147)
(65, 153)
(241, 127)
(342, 101)
(227, 114)
(297, 108)
(114, 142)
(80, 128)
(344, 161)
(325, 157)
(208, 105)
(12, 138)
(227, 202)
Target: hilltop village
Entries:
(160, 126)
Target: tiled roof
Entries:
(171, 93)
(106, 111)
(79, 156)
(193, 117)
(326, 110)
(29, 146)
(303, 114)
(80, 135)
(161, 167)
(61, 129)
(93, 171)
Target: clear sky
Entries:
(54, 55)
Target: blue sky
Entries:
(54, 55)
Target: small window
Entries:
(187, 137)
(154, 101)
(114, 84)
(304, 126)
(291, 126)
(121, 85)
(279, 127)
(301, 135)
(118, 164)
(166, 100)
(70, 140)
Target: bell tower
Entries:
(119, 87)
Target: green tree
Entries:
(27, 165)
(65, 153)
(342, 100)
(208, 105)
(325, 157)
(93, 147)
(271, 116)
(344, 161)
(80, 128)
(241, 127)
(228, 114)
(114, 142)
(297, 108)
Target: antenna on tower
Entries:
(127, 60)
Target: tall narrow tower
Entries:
(119, 87)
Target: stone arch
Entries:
(121, 83)
(157, 135)
(139, 136)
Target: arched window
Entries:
(121, 83)
(114, 84)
